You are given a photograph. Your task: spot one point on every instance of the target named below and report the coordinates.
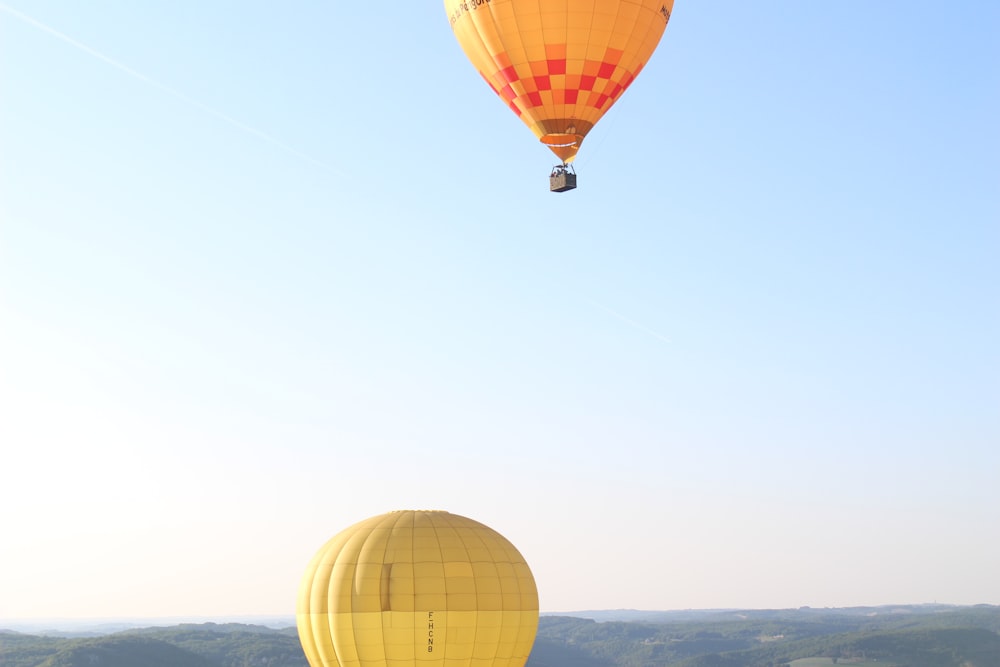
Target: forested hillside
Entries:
(919, 636)
(916, 636)
(189, 645)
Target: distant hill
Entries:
(915, 636)
(186, 645)
(681, 615)
(899, 636)
(96, 627)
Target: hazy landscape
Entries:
(273, 275)
(898, 636)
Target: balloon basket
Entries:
(562, 178)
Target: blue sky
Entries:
(266, 271)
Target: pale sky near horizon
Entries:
(267, 271)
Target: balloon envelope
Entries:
(559, 64)
(417, 588)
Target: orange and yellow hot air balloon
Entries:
(559, 64)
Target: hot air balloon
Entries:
(559, 64)
(417, 588)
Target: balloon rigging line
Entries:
(612, 116)
(627, 320)
(162, 87)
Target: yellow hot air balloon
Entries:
(417, 589)
(559, 64)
